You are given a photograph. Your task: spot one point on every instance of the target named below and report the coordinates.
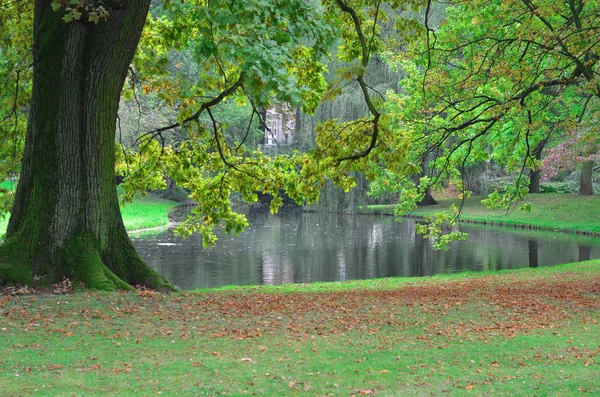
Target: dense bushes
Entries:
(556, 187)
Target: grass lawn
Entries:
(553, 211)
(6, 184)
(149, 212)
(526, 332)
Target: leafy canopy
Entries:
(489, 83)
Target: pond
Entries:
(302, 247)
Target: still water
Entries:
(299, 247)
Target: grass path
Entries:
(549, 211)
(525, 332)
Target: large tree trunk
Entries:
(66, 220)
(586, 187)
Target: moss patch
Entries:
(85, 265)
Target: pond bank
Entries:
(531, 331)
(142, 213)
(147, 213)
(567, 213)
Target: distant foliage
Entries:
(556, 187)
(16, 22)
(580, 146)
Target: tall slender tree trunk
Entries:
(66, 220)
(427, 199)
(535, 175)
(586, 187)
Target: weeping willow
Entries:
(348, 106)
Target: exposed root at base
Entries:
(81, 262)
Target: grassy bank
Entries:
(149, 212)
(528, 332)
(552, 211)
(9, 185)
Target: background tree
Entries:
(15, 91)
(484, 86)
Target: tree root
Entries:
(81, 262)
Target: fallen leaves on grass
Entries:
(366, 392)
(492, 306)
(18, 290)
(63, 287)
(515, 307)
(431, 314)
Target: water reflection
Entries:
(533, 253)
(307, 247)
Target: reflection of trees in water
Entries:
(189, 266)
(420, 255)
(585, 253)
(533, 253)
(276, 269)
(341, 266)
(307, 247)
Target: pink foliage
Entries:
(579, 147)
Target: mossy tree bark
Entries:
(66, 220)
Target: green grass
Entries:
(549, 211)
(527, 332)
(391, 283)
(143, 213)
(3, 224)
(7, 184)
(148, 212)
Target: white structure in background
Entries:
(280, 122)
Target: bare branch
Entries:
(205, 106)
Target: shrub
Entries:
(556, 187)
